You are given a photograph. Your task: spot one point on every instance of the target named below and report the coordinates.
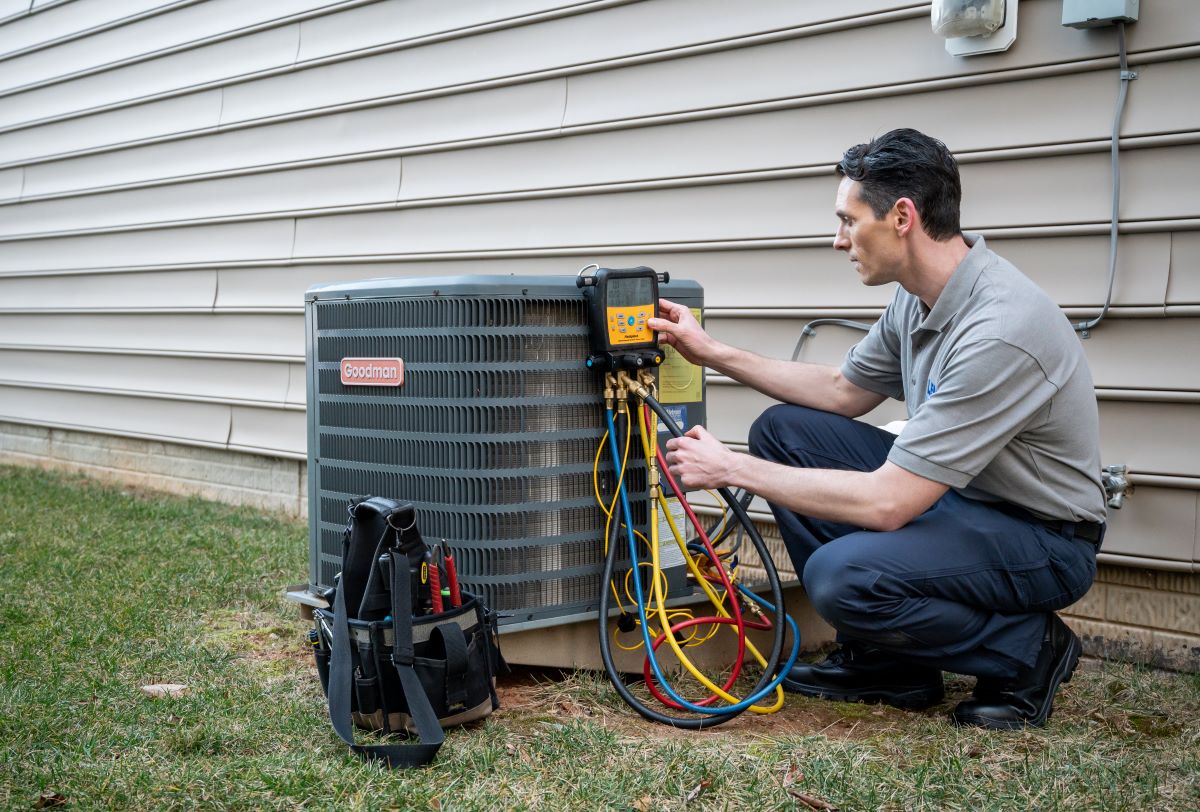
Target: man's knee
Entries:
(840, 588)
(763, 437)
(768, 431)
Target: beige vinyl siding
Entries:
(174, 175)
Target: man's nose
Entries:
(840, 241)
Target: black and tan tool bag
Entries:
(386, 663)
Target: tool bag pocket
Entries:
(386, 669)
(455, 658)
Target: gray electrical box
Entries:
(1096, 13)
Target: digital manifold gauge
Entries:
(620, 303)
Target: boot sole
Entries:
(1062, 675)
(916, 699)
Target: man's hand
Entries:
(699, 460)
(679, 328)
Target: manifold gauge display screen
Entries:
(630, 301)
(630, 292)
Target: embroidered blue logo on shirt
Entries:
(930, 389)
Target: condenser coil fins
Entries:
(468, 396)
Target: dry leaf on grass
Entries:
(794, 776)
(697, 791)
(50, 800)
(812, 802)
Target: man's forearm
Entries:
(813, 385)
(849, 497)
(884, 499)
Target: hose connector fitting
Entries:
(647, 379)
(637, 388)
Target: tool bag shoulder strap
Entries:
(376, 525)
(340, 678)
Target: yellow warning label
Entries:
(679, 380)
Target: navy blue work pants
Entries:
(964, 587)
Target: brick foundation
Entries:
(226, 476)
(1143, 616)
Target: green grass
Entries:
(103, 591)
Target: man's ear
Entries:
(905, 216)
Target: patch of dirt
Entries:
(519, 691)
(549, 694)
(259, 638)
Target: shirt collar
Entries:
(958, 288)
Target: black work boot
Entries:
(859, 673)
(1029, 698)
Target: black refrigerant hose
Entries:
(779, 625)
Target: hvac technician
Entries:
(949, 547)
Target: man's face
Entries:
(871, 242)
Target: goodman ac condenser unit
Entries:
(469, 396)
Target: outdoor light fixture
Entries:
(975, 26)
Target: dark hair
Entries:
(907, 163)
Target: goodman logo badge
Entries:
(373, 372)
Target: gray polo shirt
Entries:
(1000, 399)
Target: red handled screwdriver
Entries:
(435, 583)
(451, 576)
